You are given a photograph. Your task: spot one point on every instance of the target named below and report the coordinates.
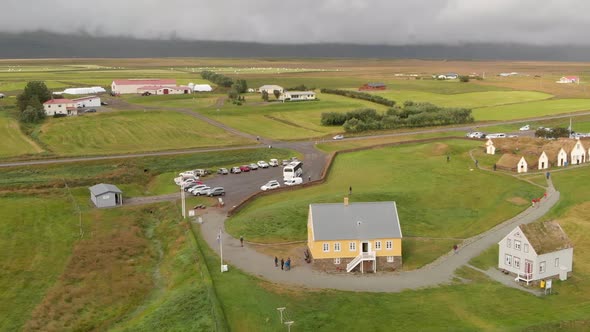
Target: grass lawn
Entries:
(468, 100)
(531, 109)
(426, 188)
(12, 141)
(36, 237)
(287, 121)
(121, 132)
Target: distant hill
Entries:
(51, 45)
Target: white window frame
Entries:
(389, 245)
(516, 245)
(326, 247)
(556, 262)
(508, 243)
(377, 245)
(516, 262)
(542, 267)
(337, 261)
(390, 259)
(337, 246)
(352, 246)
(526, 247)
(508, 260)
(106, 196)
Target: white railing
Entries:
(525, 277)
(364, 256)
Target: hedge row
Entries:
(360, 95)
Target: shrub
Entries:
(360, 95)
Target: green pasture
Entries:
(12, 141)
(440, 86)
(288, 121)
(199, 100)
(468, 100)
(531, 109)
(121, 132)
(426, 188)
(36, 238)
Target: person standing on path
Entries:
(349, 190)
(242, 241)
(494, 167)
(455, 248)
(476, 163)
(282, 264)
(309, 178)
(288, 264)
(276, 261)
(448, 158)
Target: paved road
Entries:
(439, 272)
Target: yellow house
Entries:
(354, 236)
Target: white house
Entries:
(490, 148)
(578, 153)
(543, 161)
(60, 106)
(522, 166)
(561, 157)
(164, 90)
(202, 88)
(270, 89)
(90, 101)
(298, 95)
(569, 79)
(131, 86)
(448, 76)
(536, 251)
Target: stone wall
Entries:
(327, 265)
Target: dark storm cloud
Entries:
(309, 21)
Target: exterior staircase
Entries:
(364, 256)
(527, 277)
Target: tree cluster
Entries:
(552, 133)
(360, 95)
(30, 102)
(410, 116)
(300, 87)
(218, 79)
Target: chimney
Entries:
(345, 201)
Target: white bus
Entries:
(293, 170)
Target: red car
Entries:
(245, 168)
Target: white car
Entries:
(498, 135)
(262, 164)
(253, 166)
(475, 134)
(188, 174)
(197, 187)
(273, 163)
(202, 191)
(293, 181)
(187, 182)
(525, 127)
(180, 180)
(338, 137)
(272, 184)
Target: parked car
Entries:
(201, 191)
(217, 191)
(92, 110)
(476, 134)
(188, 182)
(497, 135)
(272, 184)
(253, 166)
(187, 174)
(235, 170)
(338, 137)
(286, 162)
(201, 172)
(197, 188)
(245, 168)
(2, 95)
(192, 185)
(222, 171)
(262, 164)
(293, 181)
(525, 127)
(147, 93)
(273, 163)
(104, 103)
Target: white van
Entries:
(497, 135)
(293, 181)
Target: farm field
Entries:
(14, 142)
(425, 187)
(467, 100)
(532, 109)
(111, 133)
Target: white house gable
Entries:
(522, 166)
(490, 148)
(561, 157)
(578, 154)
(543, 161)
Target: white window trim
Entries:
(542, 267)
(337, 261)
(377, 245)
(326, 247)
(337, 246)
(508, 243)
(526, 247)
(516, 262)
(508, 260)
(556, 262)
(517, 245)
(390, 259)
(388, 245)
(352, 246)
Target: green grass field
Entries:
(531, 109)
(13, 142)
(425, 187)
(468, 100)
(121, 132)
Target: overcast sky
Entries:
(394, 22)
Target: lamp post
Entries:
(183, 199)
(220, 250)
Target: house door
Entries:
(528, 267)
(543, 165)
(117, 199)
(561, 162)
(366, 247)
(165, 91)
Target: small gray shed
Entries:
(106, 195)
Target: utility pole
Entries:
(220, 249)
(183, 199)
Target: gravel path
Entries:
(438, 272)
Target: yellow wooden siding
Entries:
(317, 248)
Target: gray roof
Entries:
(103, 188)
(361, 221)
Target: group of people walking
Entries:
(285, 264)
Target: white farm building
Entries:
(298, 95)
(60, 106)
(131, 86)
(90, 101)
